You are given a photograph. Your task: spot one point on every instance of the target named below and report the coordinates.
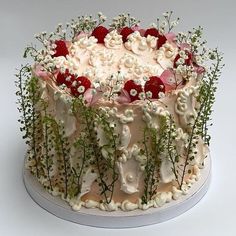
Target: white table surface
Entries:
(20, 20)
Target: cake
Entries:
(116, 117)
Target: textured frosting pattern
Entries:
(135, 59)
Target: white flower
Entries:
(166, 14)
(133, 92)
(62, 86)
(117, 87)
(101, 16)
(81, 89)
(174, 23)
(149, 94)
(93, 91)
(68, 78)
(163, 24)
(161, 95)
(142, 96)
(180, 61)
(113, 40)
(182, 53)
(63, 69)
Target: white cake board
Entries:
(118, 219)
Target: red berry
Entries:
(133, 89)
(65, 78)
(125, 32)
(187, 61)
(81, 85)
(161, 40)
(152, 31)
(100, 33)
(155, 86)
(61, 49)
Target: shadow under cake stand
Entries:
(118, 219)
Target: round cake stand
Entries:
(118, 219)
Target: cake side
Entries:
(118, 119)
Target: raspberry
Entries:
(161, 40)
(155, 86)
(125, 32)
(100, 33)
(152, 31)
(80, 85)
(61, 49)
(133, 90)
(65, 78)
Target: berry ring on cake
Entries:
(116, 117)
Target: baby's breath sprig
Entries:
(152, 152)
(166, 25)
(91, 117)
(114, 83)
(169, 133)
(62, 148)
(123, 20)
(194, 39)
(80, 168)
(159, 143)
(205, 100)
(48, 152)
(207, 92)
(30, 120)
(31, 51)
(43, 56)
(60, 32)
(84, 24)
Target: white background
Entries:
(20, 20)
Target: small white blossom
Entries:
(145, 78)
(142, 96)
(81, 89)
(153, 25)
(163, 24)
(166, 14)
(174, 23)
(180, 61)
(182, 53)
(149, 94)
(161, 95)
(117, 88)
(93, 91)
(133, 92)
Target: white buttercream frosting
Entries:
(113, 40)
(138, 44)
(128, 206)
(102, 57)
(84, 43)
(166, 55)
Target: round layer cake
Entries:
(117, 118)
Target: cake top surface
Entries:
(123, 63)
